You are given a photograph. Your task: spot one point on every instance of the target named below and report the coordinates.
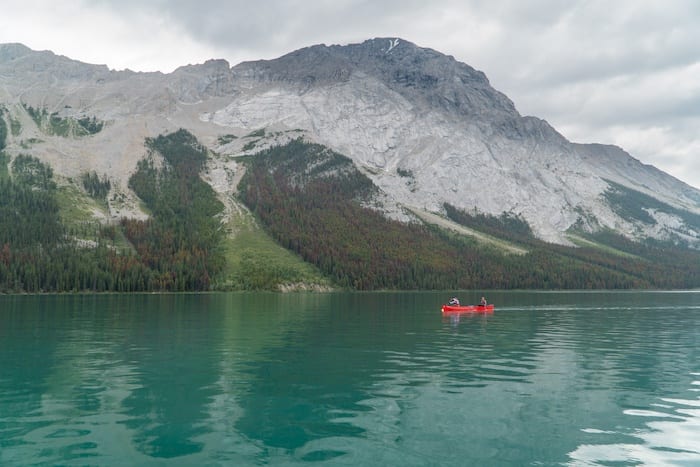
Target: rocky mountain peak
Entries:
(13, 51)
(212, 66)
(391, 54)
(412, 71)
(210, 79)
(304, 68)
(45, 66)
(439, 78)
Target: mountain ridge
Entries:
(424, 127)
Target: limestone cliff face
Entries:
(426, 128)
(430, 130)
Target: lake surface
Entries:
(351, 379)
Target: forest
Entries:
(179, 242)
(35, 255)
(175, 250)
(311, 200)
(315, 204)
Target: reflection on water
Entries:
(670, 437)
(349, 379)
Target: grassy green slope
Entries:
(254, 261)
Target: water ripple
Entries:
(669, 438)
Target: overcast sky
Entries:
(624, 72)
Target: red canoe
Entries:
(467, 308)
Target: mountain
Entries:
(426, 128)
(395, 108)
(431, 134)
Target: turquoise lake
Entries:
(355, 379)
